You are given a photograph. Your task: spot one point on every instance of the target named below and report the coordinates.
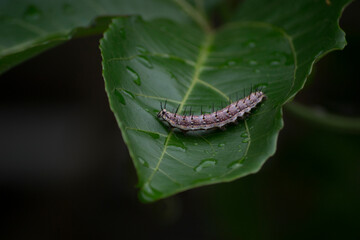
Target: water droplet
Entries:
(145, 61)
(32, 13)
(274, 63)
(281, 58)
(196, 144)
(173, 76)
(235, 165)
(143, 162)
(197, 181)
(245, 134)
(129, 94)
(253, 62)
(260, 86)
(231, 63)
(221, 145)
(177, 143)
(134, 75)
(149, 193)
(246, 140)
(122, 33)
(68, 9)
(251, 44)
(120, 97)
(141, 49)
(206, 163)
(153, 135)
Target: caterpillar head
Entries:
(161, 113)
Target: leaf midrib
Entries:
(203, 55)
(199, 66)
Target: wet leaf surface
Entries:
(148, 62)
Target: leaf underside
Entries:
(29, 27)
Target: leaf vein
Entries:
(152, 97)
(28, 26)
(180, 161)
(145, 131)
(203, 54)
(214, 88)
(161, 55)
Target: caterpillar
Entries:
(218, 119)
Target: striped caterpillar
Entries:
(218, 119)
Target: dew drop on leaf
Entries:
(141, 49)
(143, 162)
(274, 63)
(119, 96)
(178, 144)
(261, 86)
(128, 93)
(235, 165)
(251, 44)
(173, 76)
(253, 62)
(149, 193)
(231, 63)
(153, 135)
(134, 76)
(206, 163)
(145, 61)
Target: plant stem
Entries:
(324, 119)
(194, 14)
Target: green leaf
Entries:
(148, 62)
(29, 27)
(311, 25)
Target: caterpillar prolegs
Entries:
(218, 119)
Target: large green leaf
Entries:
(28, 27)
(312, 26)
(146, 62)
(269, 44)
(163, 60)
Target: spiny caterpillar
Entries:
(218, 119)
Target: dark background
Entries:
(65, 172)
